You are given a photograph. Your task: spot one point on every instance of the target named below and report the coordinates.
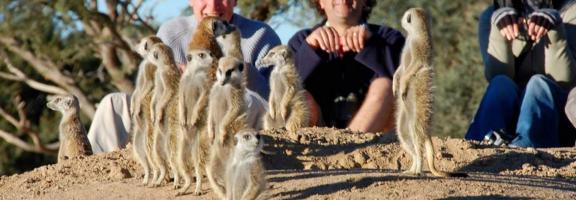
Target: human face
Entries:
(343, 11)
(218, 8)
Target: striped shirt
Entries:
(257, 39)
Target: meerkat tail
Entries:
(430, 156)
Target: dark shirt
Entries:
(340, 83)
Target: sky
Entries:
(164, 10)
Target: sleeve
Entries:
(382, 52)
(305, 57)
(173, 34)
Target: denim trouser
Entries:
(534, 113)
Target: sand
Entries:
(325, 163)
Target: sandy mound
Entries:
(323, 163)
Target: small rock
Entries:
(360, 158)
(370, 165)
(117, 172)
(289, 152)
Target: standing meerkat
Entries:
(140, 107)
(229, 41)
(73, 139)
(412, 87)
(164, 112)
(226, 116)
(245, 172)
(229, 38)
(194, 87)
(202, 56)
(205, 35)
(287, 106)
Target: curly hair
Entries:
(365, 11)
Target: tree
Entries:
(60, 47)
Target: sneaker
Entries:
(498, 138)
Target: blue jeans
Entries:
(534, 113)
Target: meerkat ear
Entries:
(69, 102)
(156, 55)
(409, 18)
(146, 46)
(189, 58)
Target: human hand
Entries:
(538, 26)
(508, 26)
(326, 38)
(355, 38)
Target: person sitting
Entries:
(528, 49)
(347, 66)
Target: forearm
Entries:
(376, 114)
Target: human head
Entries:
(366, 7)
(220, 8)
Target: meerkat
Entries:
(245, 172)
(193, 94)
(140, 107)
(202, 56)
(164, 108)
(412, 87)
(287, 106)
(226, 116)
(205, 35)
(229, 38)
(73, 139)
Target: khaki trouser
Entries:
(112, 122)
(553, 55)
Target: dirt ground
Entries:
(324, 163)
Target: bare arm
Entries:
(377, 111)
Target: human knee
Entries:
(538, 82)
(502, 81)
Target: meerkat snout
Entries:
(60, 103)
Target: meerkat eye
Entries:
(201, 55)
(189, 58)
(246, 137)
(240, 66)
(156, 55)
(146, 46)
(229, 72)
(258, 136)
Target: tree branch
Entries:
(18, 75)
(50, 71)
(23, 125)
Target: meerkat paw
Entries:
(284, 113)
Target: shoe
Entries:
(498, 138)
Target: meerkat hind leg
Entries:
(406, 140)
